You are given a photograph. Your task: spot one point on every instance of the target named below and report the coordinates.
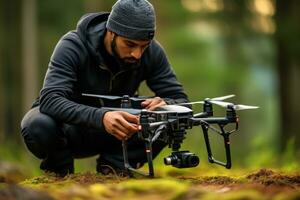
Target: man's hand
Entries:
(151, 104)
(120, 124)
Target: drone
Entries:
(170, 123)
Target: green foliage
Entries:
(22, 159)
(290, 158)
(261, 154)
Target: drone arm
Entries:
(210, 120)
(201, 115)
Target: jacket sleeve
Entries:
(59, 82)
(161, 78)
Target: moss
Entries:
(3, 185)
(270, 177)
(166, 188)
(78, 178)
(237, 195)
(212, 180)
(99, 190)
(13, 191)
(292, 196)
(261, 184)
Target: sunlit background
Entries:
(248, 48)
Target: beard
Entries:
(126, 62)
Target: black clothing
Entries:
(64, 125)
(77, 67)
(58, 144)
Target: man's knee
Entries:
(40, 132)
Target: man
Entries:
(108, 54)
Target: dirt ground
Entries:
(261, 184)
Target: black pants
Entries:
(58, 143)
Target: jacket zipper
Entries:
(112, 77)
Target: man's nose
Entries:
(137, 53)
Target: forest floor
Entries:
(173, 184)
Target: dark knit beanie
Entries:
(134, 19)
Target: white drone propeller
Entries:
(235, 107)
(208, 99)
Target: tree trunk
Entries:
(288, 65)
(29, 54)
(1, 72)
(10, 68)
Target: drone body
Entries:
(169, 123)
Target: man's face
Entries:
(128, 52)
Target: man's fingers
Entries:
(156, 102)
(119, 136)
(121, 124)
(156, 105)
(130, 128)
(146, 103)
(133, 128)
(130, 118)
(121, 128)
(152, 104)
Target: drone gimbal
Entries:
(169, 124)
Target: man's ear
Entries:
(109, 32)
(112, 35)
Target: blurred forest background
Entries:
(249, 48)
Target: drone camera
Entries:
(182, 159)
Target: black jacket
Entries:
(77, 66)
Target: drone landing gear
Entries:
(148, 139)
(225, 134)
(149, 158)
